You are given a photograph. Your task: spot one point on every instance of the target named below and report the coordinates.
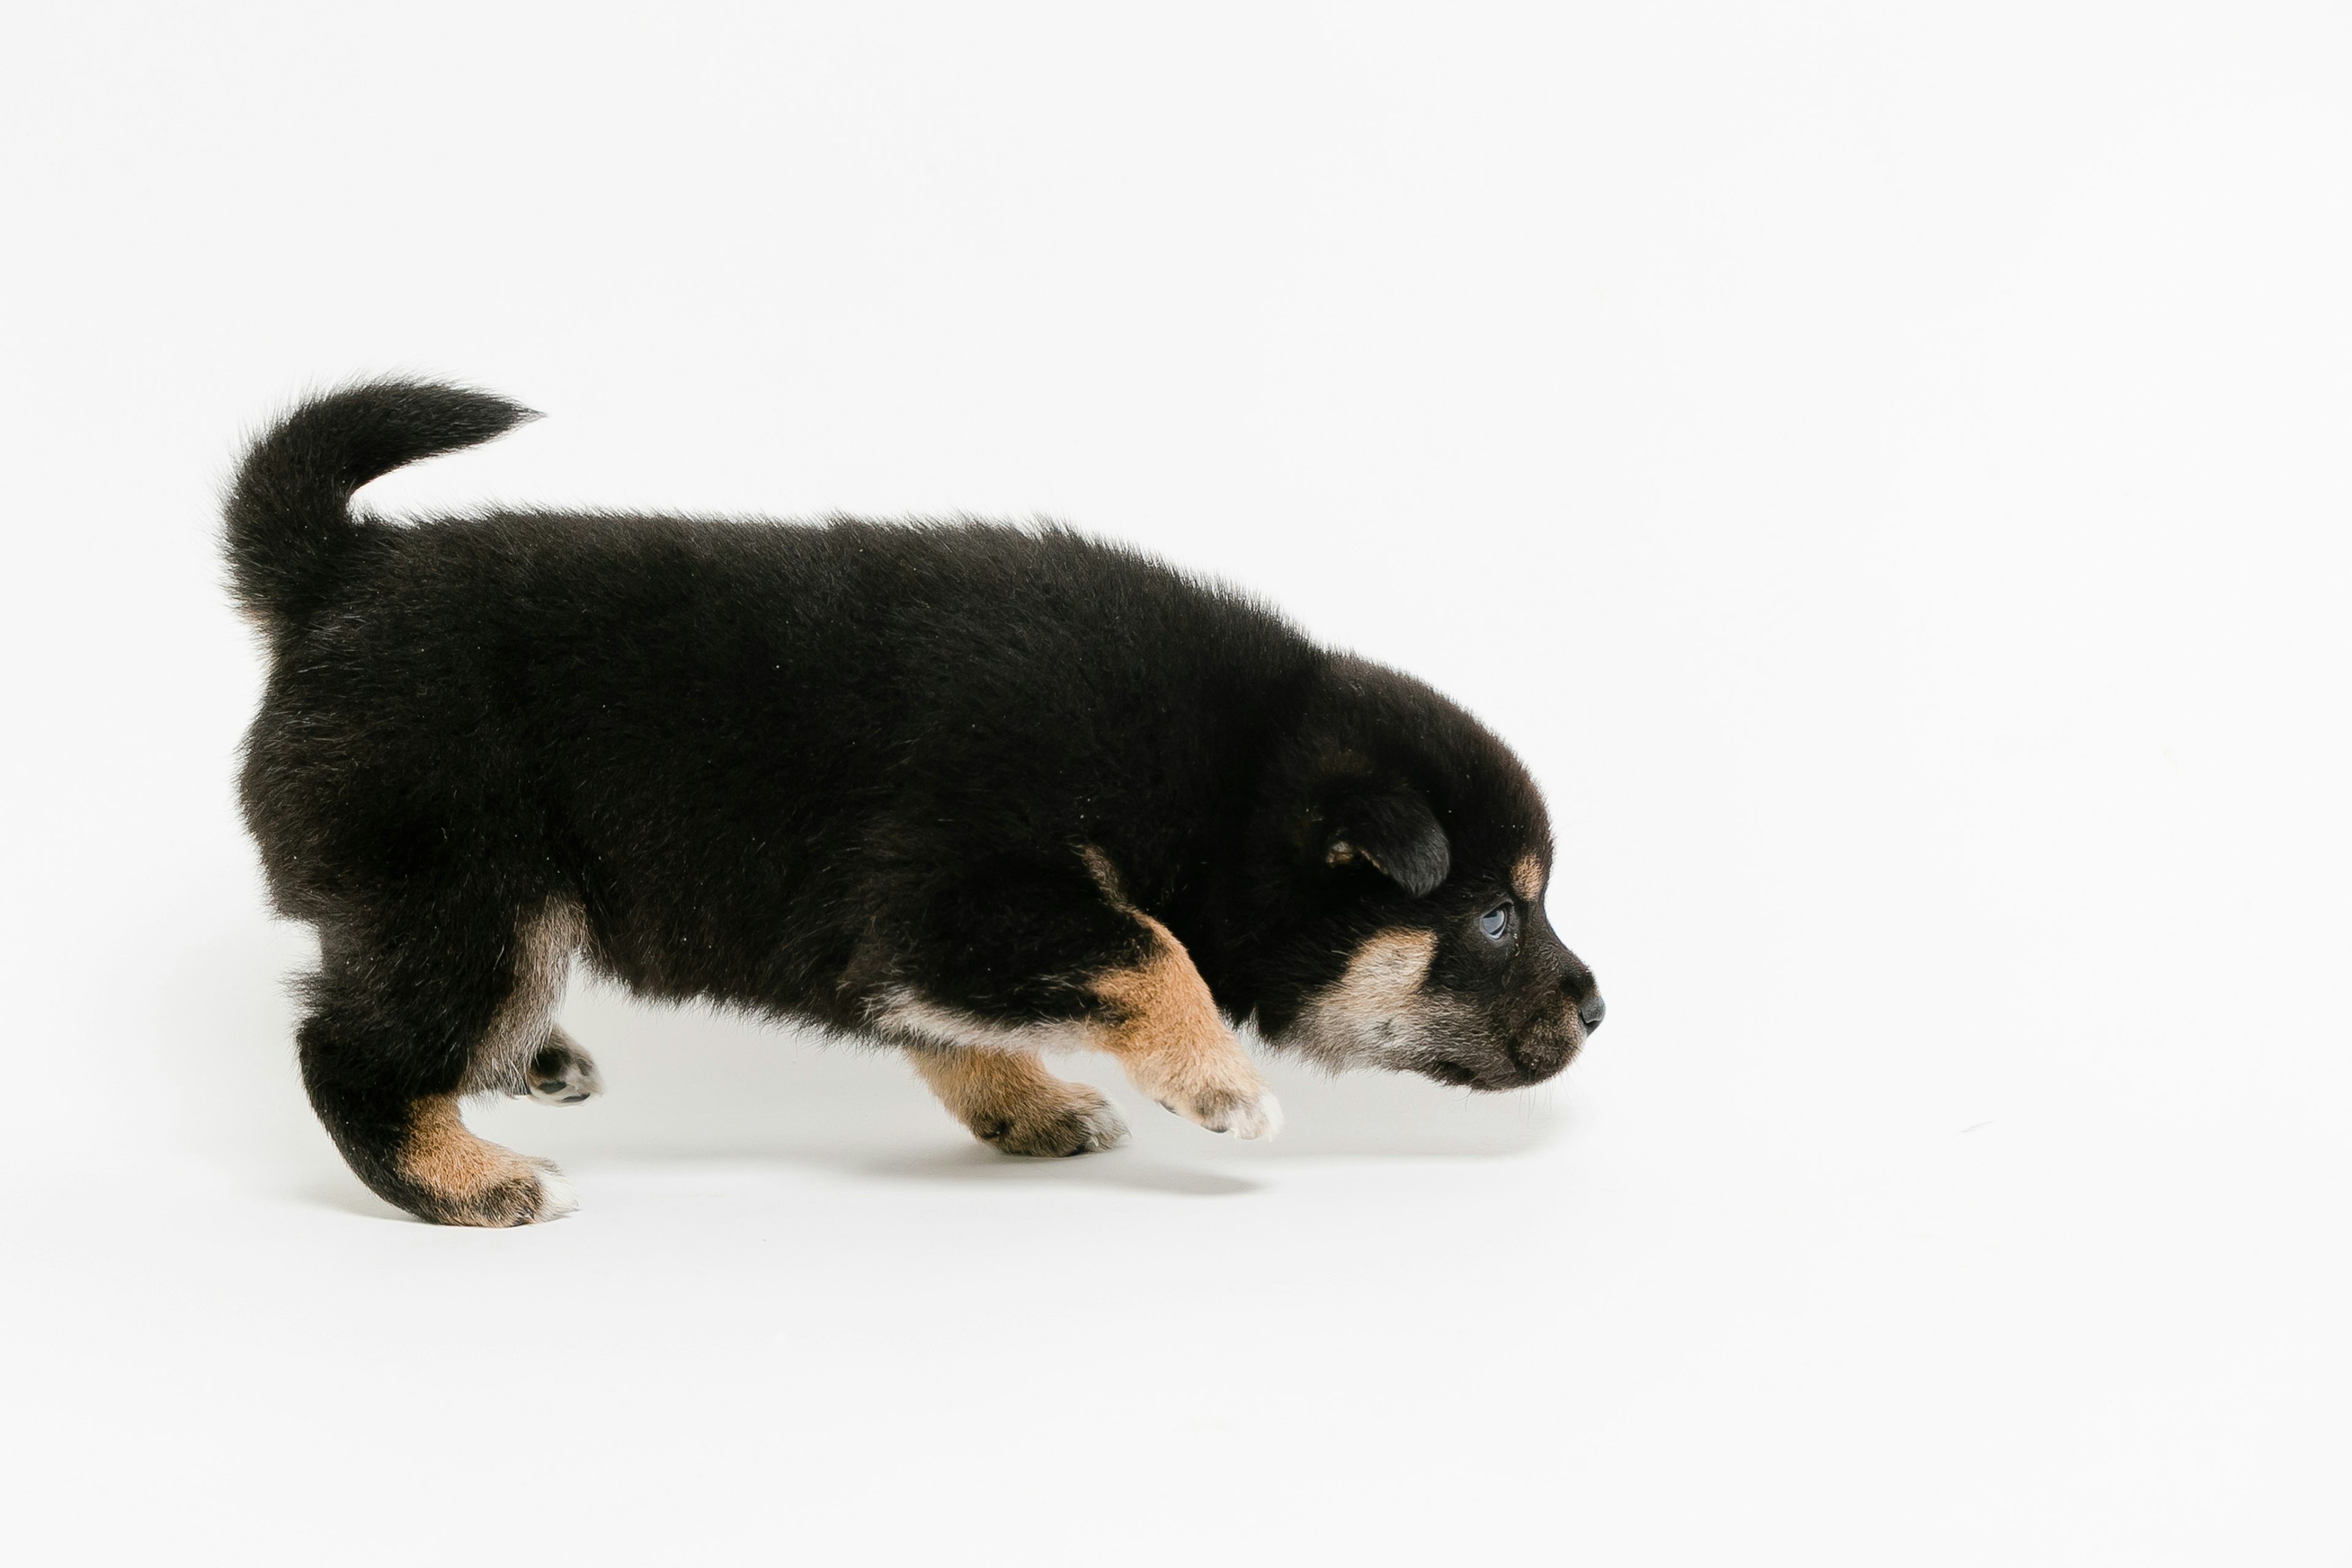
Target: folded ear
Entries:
(1395, 833)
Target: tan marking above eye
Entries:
(1527, 879)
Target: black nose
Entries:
(1591, 1010)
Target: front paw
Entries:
(1078, 1121)
(1241, 1111)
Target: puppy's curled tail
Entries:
(290, 528)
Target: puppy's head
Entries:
(1402, 856)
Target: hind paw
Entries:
(442, 1173)
(561, 1074)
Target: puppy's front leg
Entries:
(1162, 1025)
(999, 966)
(1009, 1099)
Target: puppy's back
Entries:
(734, 731)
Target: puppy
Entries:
(974, 791)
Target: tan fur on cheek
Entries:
(1378, 1010)
(1383, 980)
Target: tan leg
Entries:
(1168, 1035)
(455, 1178)
(446, 999)
(1155, 1017)
(1009, 1099)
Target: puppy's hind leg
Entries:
(1010, 1100)
(420, 1005)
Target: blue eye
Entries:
(1496, 923)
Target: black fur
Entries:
(799, 767)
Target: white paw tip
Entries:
(574, 1090)
(1263, 1120)
(556, 1197)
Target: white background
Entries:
(1883, 467)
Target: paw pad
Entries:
(562, 1074)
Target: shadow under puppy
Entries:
(973, 790)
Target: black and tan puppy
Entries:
(974, 791)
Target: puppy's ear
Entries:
(1394, 833)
